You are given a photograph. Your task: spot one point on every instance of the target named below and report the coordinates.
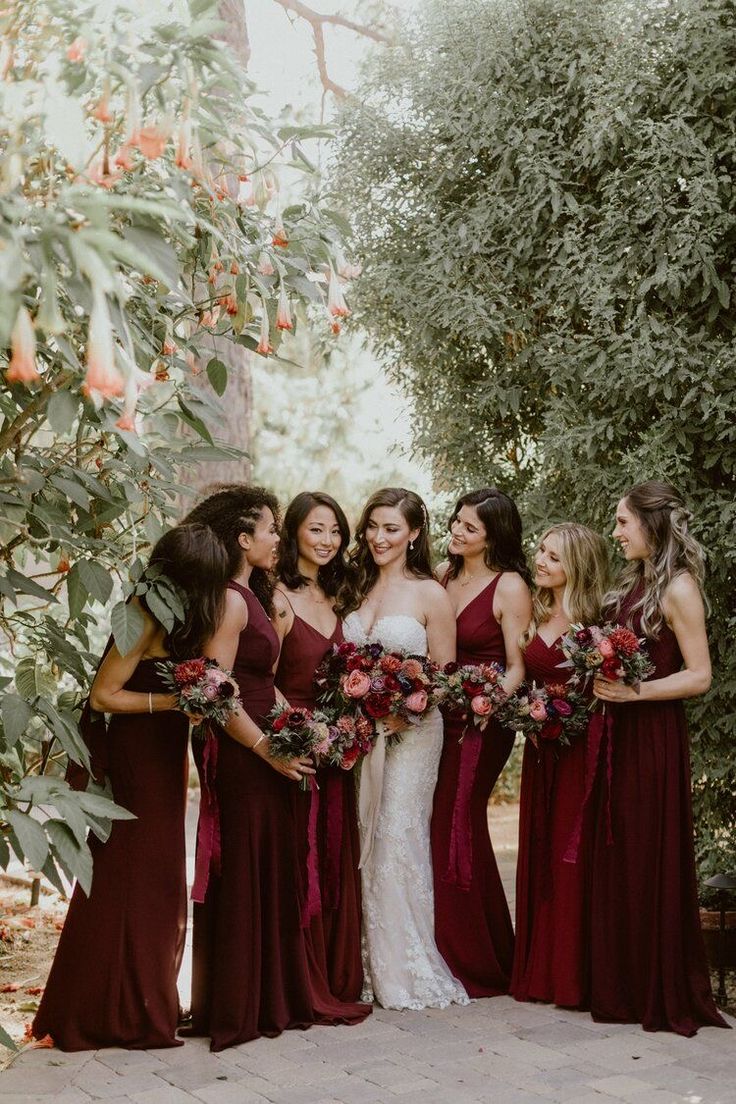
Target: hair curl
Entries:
(664, 517)
(329, 576)
(231, 509)
(583, 555)
(502, 523)
(194, 558)
(363, 571)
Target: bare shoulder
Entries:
(433, 594)
(236, 610)
(682, 593)
(441, 570)
(511, 585)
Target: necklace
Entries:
(312, 593)
(470, 579)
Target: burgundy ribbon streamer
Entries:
(600, 732)
(460, 859)
(333, 843)
(208, 858)
(313, 904)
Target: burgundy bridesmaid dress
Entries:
(552, 895)
(113, 979)
(648, 960)
(250, 974)
(472, 922)
(331, 907)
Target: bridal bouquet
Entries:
(474, 689)
(552, 712)
(368, 681)
(609, 650)
(203, 688)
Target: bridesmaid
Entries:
(553, 895)
(486, 579)
(311, 567)
(250, 974)
(113, 979)
(648, 962)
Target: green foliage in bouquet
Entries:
(139, 218)
(545, 209)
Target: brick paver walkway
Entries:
(494, 1050)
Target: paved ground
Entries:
(494, 1050)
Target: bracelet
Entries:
(255, 745)
(150, 702)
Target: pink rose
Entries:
(216, 675)
(357, 684)
(537, 710)
(562, 707)
(606, 648)
(481, 705)
(417, 702)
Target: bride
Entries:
(392, 598)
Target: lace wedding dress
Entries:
(403, 967)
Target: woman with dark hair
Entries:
(552, 954)
(113, 979)
(250, 975)
(648, 962)
(392, 598)
(486, 579)
(311, 566)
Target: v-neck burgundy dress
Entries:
(648, 961)
(250, 970)
(472, 923)
(113, 978)
(331, 907)
(552, 896)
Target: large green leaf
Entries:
(95, 579)
(127, 626)
(75, 858)
(16, 714)
(30, 836)
(32, 678)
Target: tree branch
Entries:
(317, 21)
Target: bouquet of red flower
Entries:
(202, 688)
(609, 650)
(551, 712)
(473, 689)
(370, 682)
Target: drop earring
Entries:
(411, 545)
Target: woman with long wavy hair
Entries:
(250, 972)
(113, 979)
(648, 962)
(551, 957)
(486, 579)
(392, 598)
(311, 567)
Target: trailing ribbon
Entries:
(369, 795)
(313, 904)
(600, 733)
(333, 790)
(460, 859)
(208, 827)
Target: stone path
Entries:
(495, 1051)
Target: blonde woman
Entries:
(552, 894)
(648, 963)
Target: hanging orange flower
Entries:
(22, 367)
(264, 345)
(78, 48)
(102, 376)
(336, 304)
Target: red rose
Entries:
(346, 648)
(551, 731)
(280, 722)
(391, 683)
(610, 669)
(562, 707)
(472, 687)
(350, 757)
(354, 663)
(377, 705)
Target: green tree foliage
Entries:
(544, 205)
(139, 219)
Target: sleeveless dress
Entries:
(472, 921)
(331, 891)
(552, 896)
(403, 967)
(113, 978)
(250, 975)
(648, 960)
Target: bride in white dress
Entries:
(396, 601)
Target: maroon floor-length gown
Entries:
(331, 909)
(113, 978)
(552, 896)
(648, 960)
(250, 973)
(472, 923)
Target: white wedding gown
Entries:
(403, 968)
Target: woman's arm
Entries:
(283, 614)
(512, 608)
(441, 626)
(223, 647)
(685, 614)
(107, 694)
